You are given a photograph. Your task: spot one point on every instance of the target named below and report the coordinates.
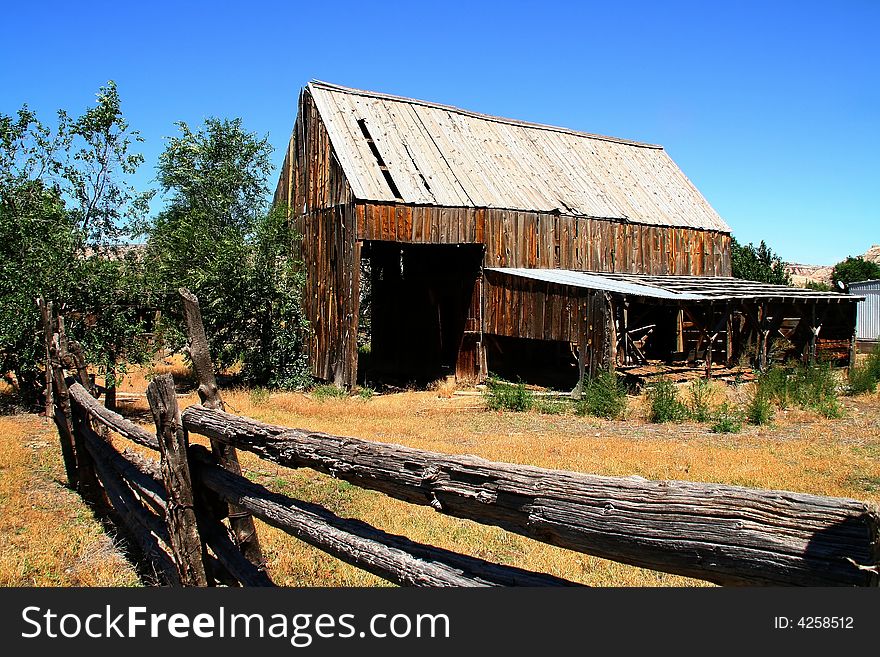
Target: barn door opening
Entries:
(424, 312)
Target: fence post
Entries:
(88, 484)
(241, 521)
(63, 417)
(46, 316)
(183, 531)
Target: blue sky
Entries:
(771, 108)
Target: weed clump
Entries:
(811, 387)
(258, 396)
(505, 396)
(727, 419)
(759, 410)
(664, 404)
(603, 396)
(328, 391)
(864, 378)
(699, 401)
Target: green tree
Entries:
(65, 206)
(855, 269)
(217, 239)
(757, 263)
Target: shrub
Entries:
(759, 410)
(665, 405)
(775, 386)
(328, 391)
(812, 387)
(699, 401)
(864, 378)
(505, 396)
(366, 393)
(603, 396)
(860, 379)
(727, 419)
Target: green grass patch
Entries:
(550, 406)
(328, 391)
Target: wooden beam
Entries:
(725, 534)
(394, 558)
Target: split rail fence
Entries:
(190, 514)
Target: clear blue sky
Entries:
(771, 108)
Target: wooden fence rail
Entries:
(179, 512)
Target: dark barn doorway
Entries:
(424, 310)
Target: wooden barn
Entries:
(494, 245)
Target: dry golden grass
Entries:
(48, 536)
(800, 452)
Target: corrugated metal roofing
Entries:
(676, 288)
(868, 312)
(440, 155)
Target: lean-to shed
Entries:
(450, 210)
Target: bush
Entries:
(328, 391)
(505, 396)
(727, 419)
(775, 386)
(860, 380)
(665, 405)
(366, 393)
(759, 409)
(699, 401)
(864, 378)
(603, 396)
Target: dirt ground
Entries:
(48, 537)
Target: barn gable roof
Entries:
(411, 151)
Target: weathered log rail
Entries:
(183, 513)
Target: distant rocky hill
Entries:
(803, 274)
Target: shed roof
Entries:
(439, 155)
(676, 288)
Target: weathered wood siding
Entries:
(527, 308)
(534, 239)
(321, 210)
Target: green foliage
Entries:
(505, 396)
(855, 269)
(861, 380)
(726, 419)
(217, 239)
(699, 400)
(664, 404)
(757, 263)
(603, 396)
(759, 409)
(65, 206)
(818, 286)
(328, 391)
(365, 393)
(813, 387)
